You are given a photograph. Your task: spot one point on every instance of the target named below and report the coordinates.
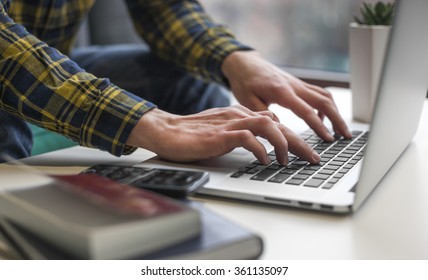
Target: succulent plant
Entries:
(376, 14)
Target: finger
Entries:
(299, 147)
(330, 110)
(328, 107)
(247, 140)
(255, 104)
(266, 113)
(265, 127)
(275, 117)
(321, 115)
(248, 111)
(307, 113)
(343, 128)
(270, 114)
(224, 113)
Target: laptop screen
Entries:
(401, 94)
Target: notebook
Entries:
(358, 168)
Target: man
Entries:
(40, 84)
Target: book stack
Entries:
(90, 217)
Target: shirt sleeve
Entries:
(43, 86)
(181, 31)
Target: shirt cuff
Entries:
(213, 64)
(111, 119)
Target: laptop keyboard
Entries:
(337, 158)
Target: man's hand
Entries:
(257, 83)
(215, 132)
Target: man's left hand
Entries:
(257, 83)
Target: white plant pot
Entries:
(367, 46)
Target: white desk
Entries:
(392, 224)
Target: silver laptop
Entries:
(350, 169)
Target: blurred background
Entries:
(307, 37)
(303, 34)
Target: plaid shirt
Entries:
(42, 85)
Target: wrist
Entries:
(233, 64)
(147, 128)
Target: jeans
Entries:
(137, 70)
(16, 138)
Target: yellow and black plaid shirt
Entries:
(42, 85)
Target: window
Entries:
(303, 34)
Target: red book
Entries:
(117, 196)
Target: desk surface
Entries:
(392, 224)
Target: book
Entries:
(92, 217)
(8, 248)
(219, 239)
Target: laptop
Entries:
(350, 169)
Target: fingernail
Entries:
(329, 137)
(267, 160)
(284, 161)
(316, 157)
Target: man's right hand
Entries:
(214, 132)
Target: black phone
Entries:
(170, 182)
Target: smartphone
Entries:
(170, 182)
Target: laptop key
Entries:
(263, 175)
(279, 178)
(356, 132)
(307, 172)
(255, 169)
(336, 163)
(275, 166)
(300, 162)
(328, 186)
(312, 167)
(237, 174)
(288, 171)
(338, 175)
(332, 167)
(252, 171)
(333, 180)
(314, 183)
(349, 166)
(301, 177)
(327, 171)
(295, 182)
(346, 155)
(341, 159)
(343, 171)
(321, 176)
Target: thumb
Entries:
(254, 104)
(257, 105)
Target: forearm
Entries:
(41, 85)
(181, 31)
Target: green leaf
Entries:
(358, 20)
(376, 14)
